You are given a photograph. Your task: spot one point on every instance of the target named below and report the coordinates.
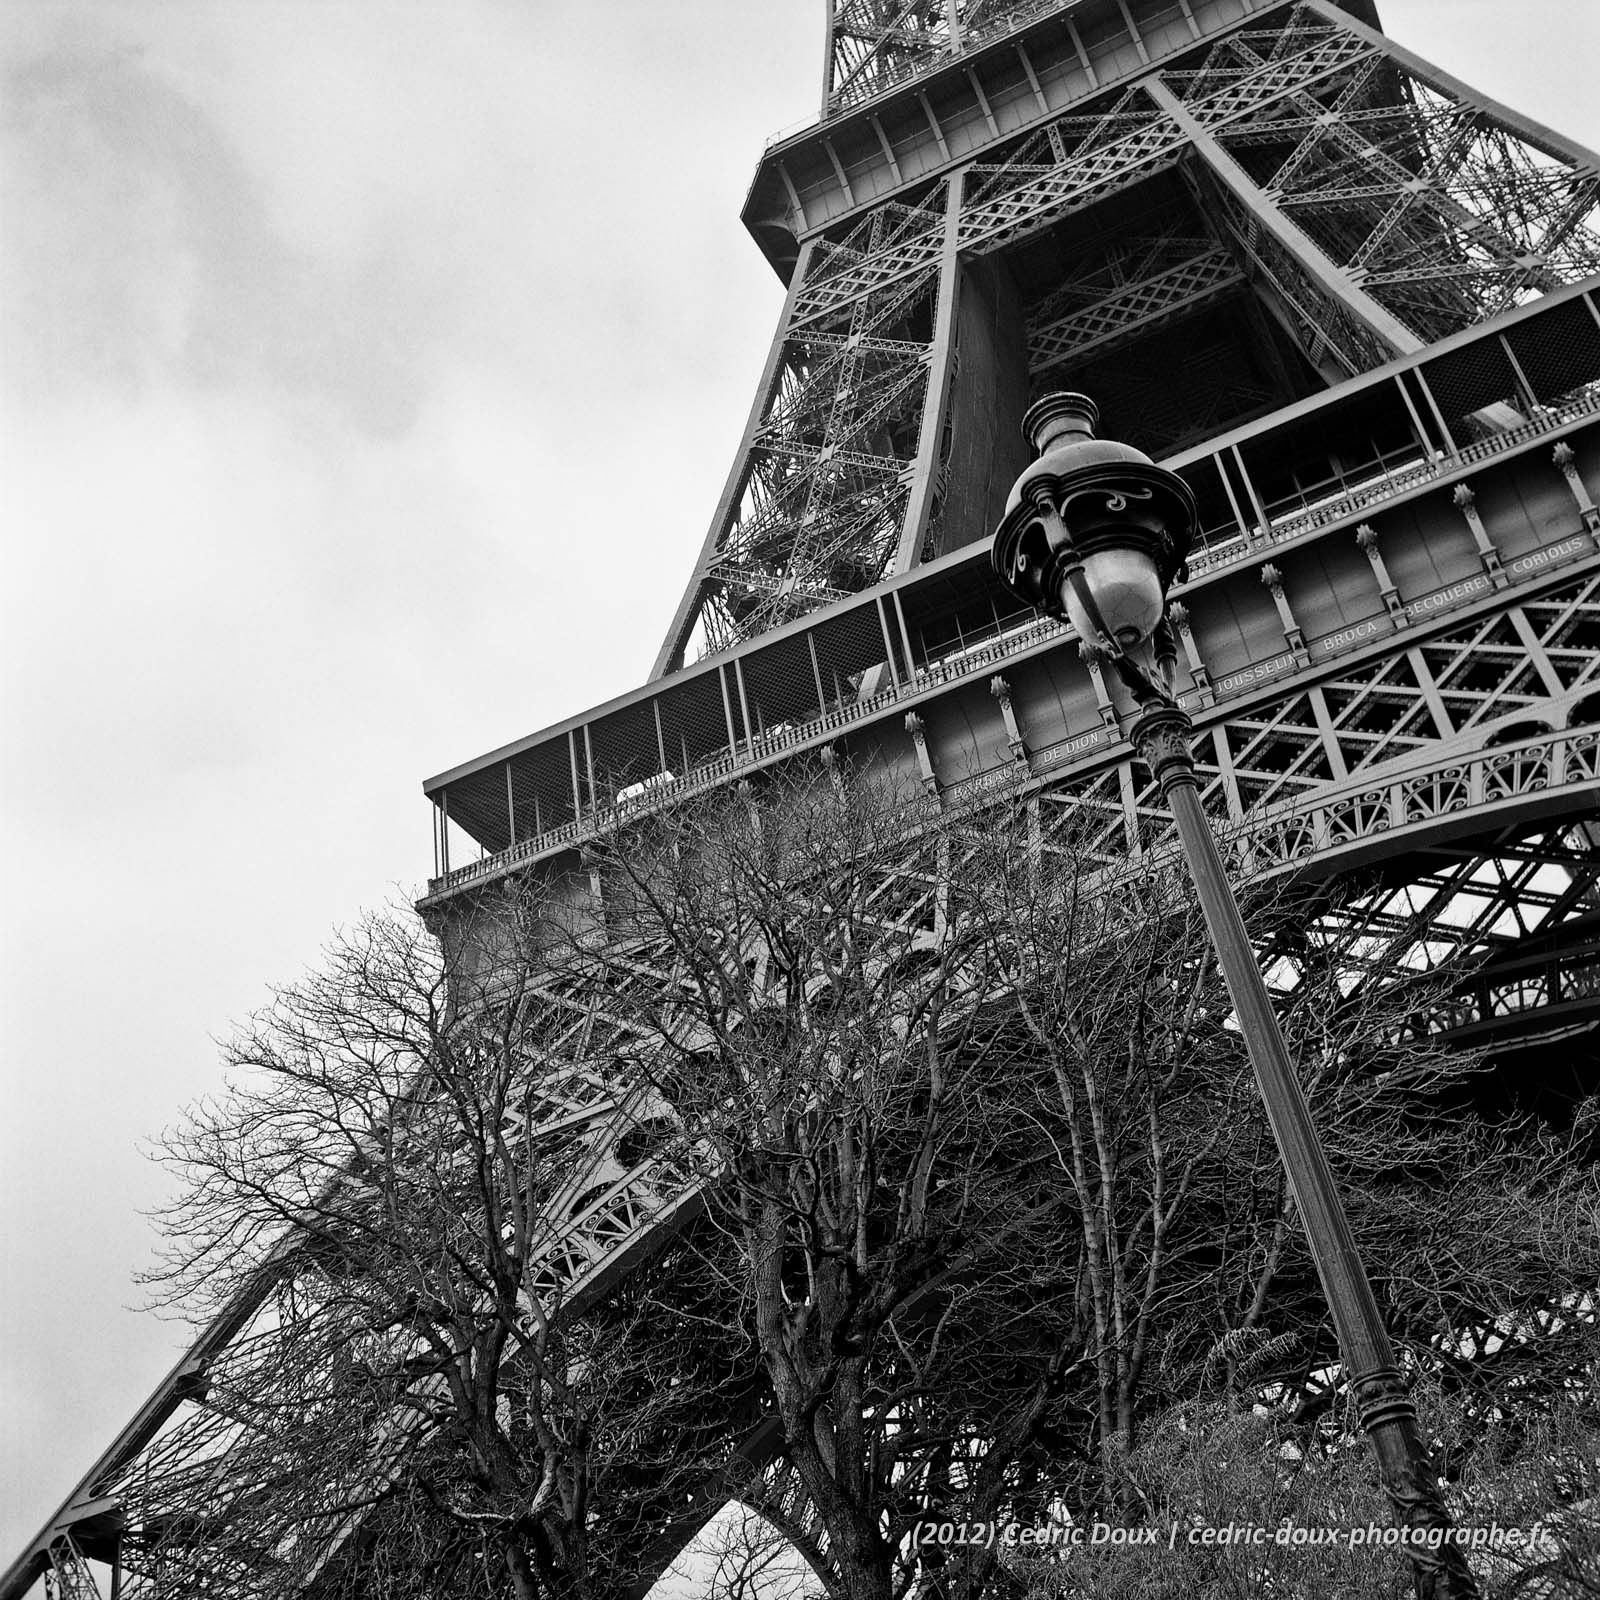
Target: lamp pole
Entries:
(1096, 532)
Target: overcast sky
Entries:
(369, 372)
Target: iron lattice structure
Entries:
(1355, 305)
(1102, 173)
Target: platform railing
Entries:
(966, 661)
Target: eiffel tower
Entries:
(1351, 301)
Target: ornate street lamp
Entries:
(1095, 532)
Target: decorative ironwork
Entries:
(1428, 206)
(1427, 722)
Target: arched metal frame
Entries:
(1399, 663)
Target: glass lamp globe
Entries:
(1126, 591)
(1093, 531)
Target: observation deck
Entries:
(1384, 509)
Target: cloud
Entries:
(146, 256)
(371, 372)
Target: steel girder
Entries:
(206, 1446)
(1472, 903)
(815, 506)
(1128, 305)
(1411, 730)
(875, 44)
(1079, 159)
(1448, 215)
(1460, 759)
(1370, 203)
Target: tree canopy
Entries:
(882, 1167)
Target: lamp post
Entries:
(1094, 531)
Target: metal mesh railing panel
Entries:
(1465, 382)
(1559, 352)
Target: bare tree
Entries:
(1186, 1237)
(988, 1194)
(397, 1156)
(739, 1555)
(1302, 1516)
(995, 1163)
(926, 1190)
